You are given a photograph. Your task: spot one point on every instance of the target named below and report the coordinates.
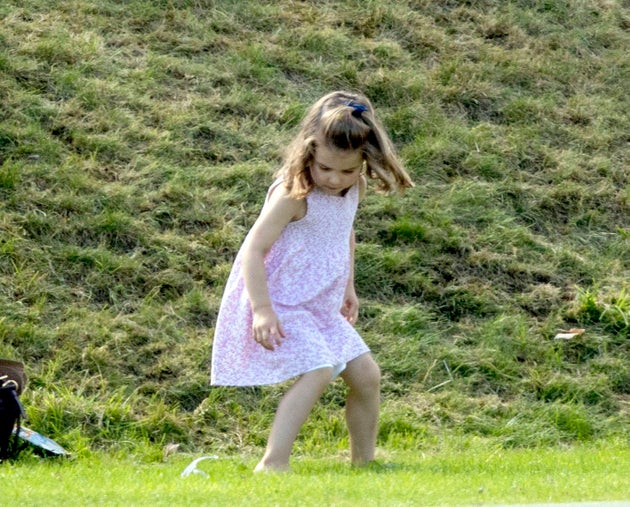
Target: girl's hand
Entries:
(350, 308)
(267, 328)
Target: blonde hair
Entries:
(345, 121)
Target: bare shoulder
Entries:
(280, 202)
(279, 210)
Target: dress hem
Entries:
(287, 378)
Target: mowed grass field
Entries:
(457, 473)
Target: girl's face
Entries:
(334, 171)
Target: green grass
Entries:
(469, 472)
(137, 140)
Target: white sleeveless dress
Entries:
(307, 271)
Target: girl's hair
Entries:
(346, 121)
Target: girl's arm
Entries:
(279, 210)
(350, 308)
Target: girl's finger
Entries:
(281, 330)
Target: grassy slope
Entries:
(137, 140)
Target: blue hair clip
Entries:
(358, 108)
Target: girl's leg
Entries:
(292, 411)
(363, 377)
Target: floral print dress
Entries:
(307, 271)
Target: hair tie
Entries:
(358, 108)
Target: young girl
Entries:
(289, 305)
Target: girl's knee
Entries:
(363, 374)
(372, 374)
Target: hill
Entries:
(137, 140)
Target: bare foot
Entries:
(269, 467)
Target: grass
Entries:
(454, 473)
(137, 140)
